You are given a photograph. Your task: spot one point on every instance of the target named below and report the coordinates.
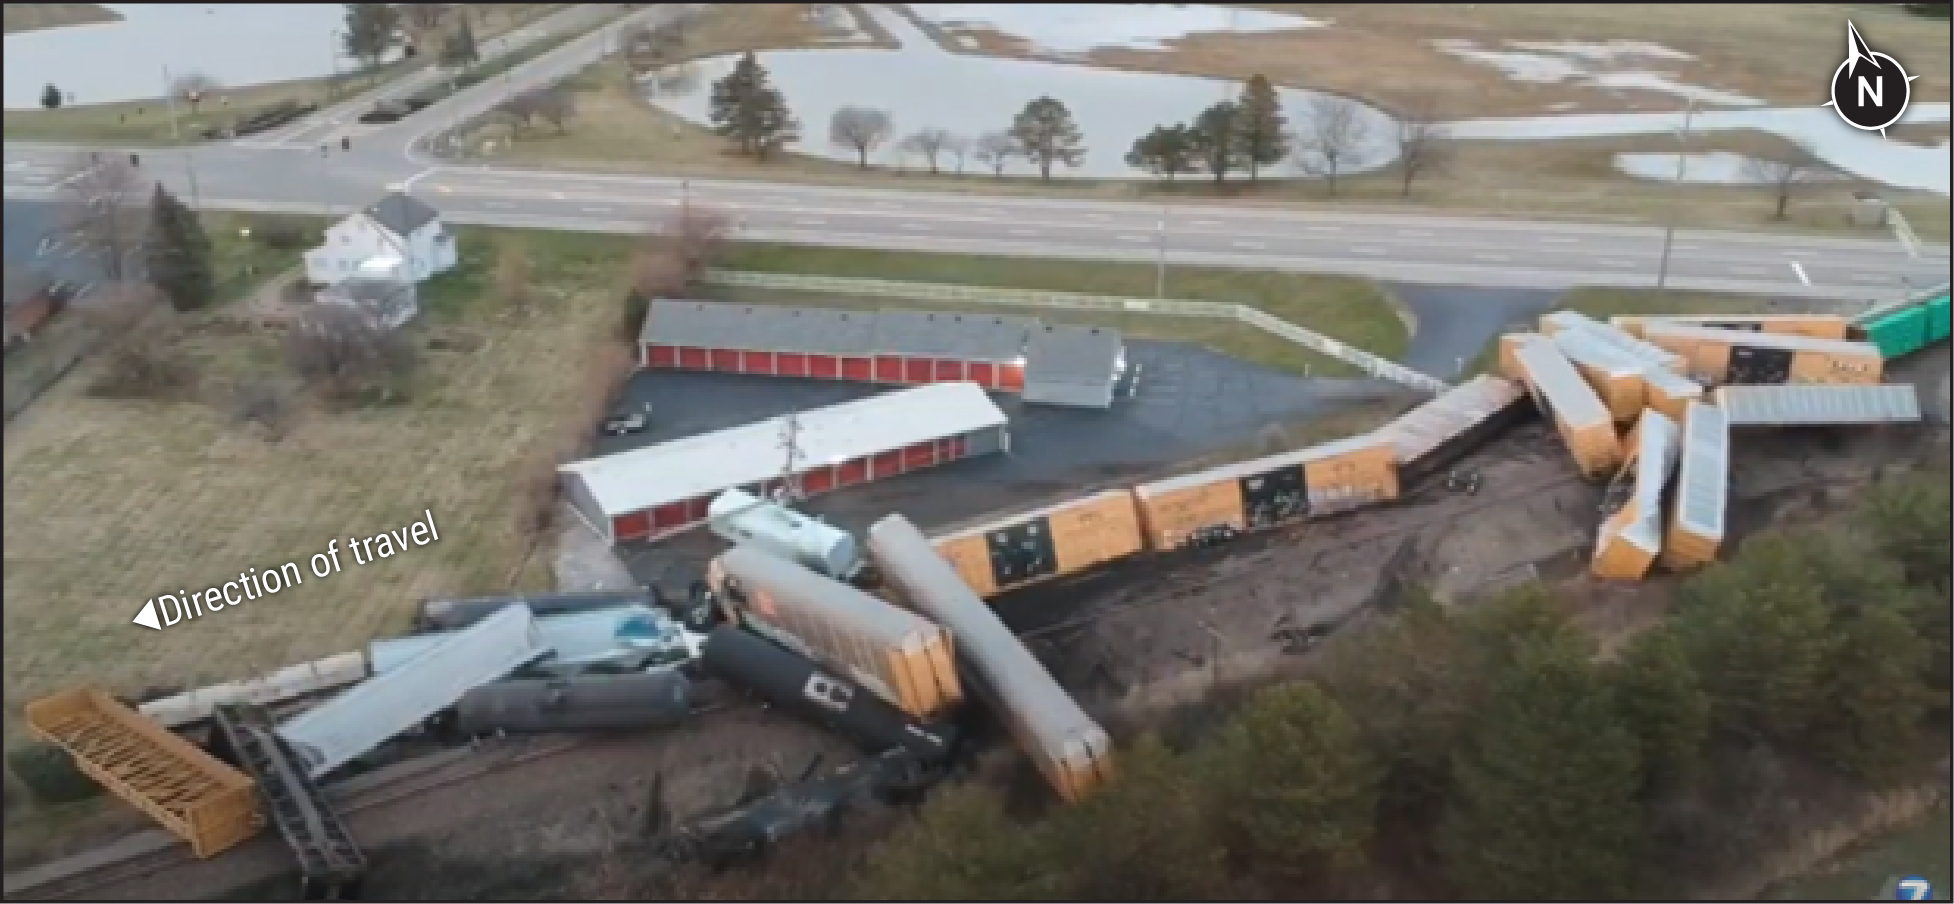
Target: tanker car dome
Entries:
(742, 518)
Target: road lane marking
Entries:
(595, 208)
(1251, 246)
(1366, 249)
(1207, 224)
(810, 221)
(502, 205)
(556, 196)
(1617, 263)
(1559, 239)
(1490, 257)
(888, 205)
(1136, 238)
(916, 227)
(1799, 269)
(1748, 271)
(1098, 217)
(1324, 228)
(1871, 278)
(1414, 233)
(1024, 232)
(1682, 247)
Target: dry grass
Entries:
(23, 17)
(109, 503)
(1383, 53)
(148, 122)
(617, 131)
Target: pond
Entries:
(922, 86)
(235, 44)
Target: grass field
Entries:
(149, 122)
(1603, 302)
(23, 17)
(616, 130)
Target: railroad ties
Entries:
(331, 866)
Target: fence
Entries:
(1077, 301)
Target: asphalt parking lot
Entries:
(1190, 402)
(1456, 322)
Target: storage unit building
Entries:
(1057, 540)
(896, 654)
(1615, 375)
(1696, 526)
(899, 347)
(1805, 406)
(1266, 492)
(1073, 365)
(1734, 356)
(1585, 424)
(655, 490)
(1631, 537)
(1436, 433)
(1815, 326)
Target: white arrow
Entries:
(147, 617)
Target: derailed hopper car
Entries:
(1433, 435)
(1070, 749)
(793, 682)
(1050, 542)
(1733, 356)
(1585, 424)
(1631, 537)
(1267, 492)
(899, 656)
(1696, 525)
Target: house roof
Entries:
(401, 213)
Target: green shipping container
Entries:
(1937, 319)
(1900, 333)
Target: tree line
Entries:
(1495, 752)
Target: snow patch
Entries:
(1073, 29)
(1598, 65)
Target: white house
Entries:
(380, 288)
(396, 226)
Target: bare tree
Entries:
(673, 255)
(645, 46)
(556, 105)
(930, 144)
(995, 151)
(1422, 144)
(1334, 133)
(958, 147)
(424, 16)
(1784, 178)
(192, 88)
(519, 110)
(105, 213)
(346, 355)
(135, 329)
(512, 276)
(861, 130)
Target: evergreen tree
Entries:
(372, 29)
(1544, 804)
(1217, 140)
(1137, 839)
(51, 97)
(1756, 631)
(748, 109)
(459, 49)
(1874, 694)
(1167, 151)
(178, 253)
(1291, 790)
(1047, 135)
(1261, 128)
(1663, 706)
(961, 846)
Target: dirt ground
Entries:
(1380, 54)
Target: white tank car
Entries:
(742, 518)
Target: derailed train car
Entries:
(1585, 424)
(660, 699)
(1439, 432)
(1718, 356)
(1070, 749)
(898, 656)
(1697, 520)
(794, 683)
(1815, 326)
(1266, 492)
(1067, 538)
(1630, 537)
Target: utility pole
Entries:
(169, 102)
(1682, 169)
(1160, 256)
(790, 444)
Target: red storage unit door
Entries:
(885, 464)
(824, 367)
(630, 527)
(726, 360)
(790, 364)
(949, 371)
(858, 370)
(920, 455)
(1011, 377)
(661, 356)
(819, 480)
(670, 515)
(757, 363)
(888, 369)
(849, 473)
(694, 359)
(919, 370)
(695, 510)
(983, 373)
(949, 449)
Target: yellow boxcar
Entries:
(1630, 538)
(1718, 356)
(1670, 393)
(1584, 422)
(1613, 374)
(174, 782)
(1813, 326)
(1057, 540)
(1696, 525)
(1265, 492)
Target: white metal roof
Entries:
(1655, 461)
(750, 454)
(1803, 405)
(1586, 348)
(1671, 384)
(1644, 351)
(1553, 377)
(1704, 486)
(1465, 406)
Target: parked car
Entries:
(628, 422)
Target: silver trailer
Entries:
(660, 699)
(739, 517)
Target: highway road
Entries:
(1438, 250)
